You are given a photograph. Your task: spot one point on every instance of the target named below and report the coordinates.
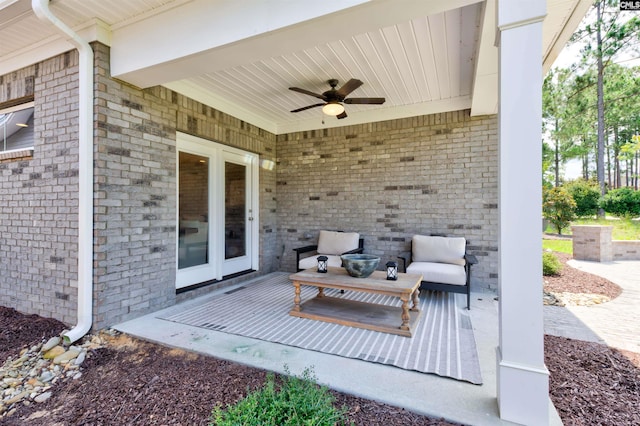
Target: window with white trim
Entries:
(16, 127)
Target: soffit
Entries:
(424, 57)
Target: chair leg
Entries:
(468, 298)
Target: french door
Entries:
(217, 211)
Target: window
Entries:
(16, 127)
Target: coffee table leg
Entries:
(405, 314)
(415, 300)
(296, 298)
(320, 292)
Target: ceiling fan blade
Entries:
(307, 92)
(307, 107)
(370, 101)
(349, 87)
(343, 114)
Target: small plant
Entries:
(289, 401)
(550, 264)
(558, 207)
(622, 202)
(586, 194)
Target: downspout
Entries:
(85, 171)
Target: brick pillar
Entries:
(592, 242)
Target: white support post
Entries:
(523, 379)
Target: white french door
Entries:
(217, 211)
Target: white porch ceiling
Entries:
(241, 57)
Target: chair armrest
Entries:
(357, 250)
(306, 249)
(470, 259)
(405, 257)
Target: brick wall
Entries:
(626, 250)
(595, 243)
(391, 180)
(592, 242)
(136, 190)
(135, 193)
(39, 192)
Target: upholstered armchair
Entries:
(331, 244)
(443, 262)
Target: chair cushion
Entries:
(438, 249)
(312, 262)
(443, 273)
(336, 243)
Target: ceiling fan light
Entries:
(333, 108)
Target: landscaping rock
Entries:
(52, 343)
(53, 352)
(30, 377)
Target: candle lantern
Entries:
(392, 271)
(322, 264)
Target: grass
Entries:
(562, 246)
(623, 229)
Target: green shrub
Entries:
(558, 207)
(622, 202)
(586, 194)
(550, 264)
(289, 401)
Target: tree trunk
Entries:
(616, 157)
(557, 156)
(607, 150)
(600, 156)
(636, 171)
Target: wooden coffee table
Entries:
(388, 319)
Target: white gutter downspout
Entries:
(85, 171)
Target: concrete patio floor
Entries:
(427, 394)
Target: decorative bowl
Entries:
(360, 265)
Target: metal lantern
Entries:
(322, 264)
(392, 271)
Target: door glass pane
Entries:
(234, 210)
(193, 210)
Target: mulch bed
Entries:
(572, 280)
(592, 384)
(19, 330)
(134, 382)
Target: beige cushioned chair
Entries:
(331, 244)
(443, 263)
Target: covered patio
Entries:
(429, 394)
(167, 86)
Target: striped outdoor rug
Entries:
(443, 341)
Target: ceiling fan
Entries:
(333, 98)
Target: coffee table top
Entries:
(340, 278)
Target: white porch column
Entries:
(523, 380)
